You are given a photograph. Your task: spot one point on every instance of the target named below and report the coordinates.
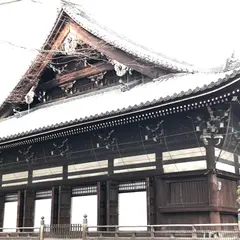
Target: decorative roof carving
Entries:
(120, 68)
(232, 63)
(68, 87)
(70, 44)
(98, 78)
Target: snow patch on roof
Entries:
(111, 101)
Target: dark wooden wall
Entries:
(82, 147)
(228, 218)
(186, 218)
(177, 196)
(227, 195)
(170, 200)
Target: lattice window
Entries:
(132, 186)
(43, 194)
(83, 191)
(12, 197)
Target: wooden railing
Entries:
(63, 231)
(164, 232)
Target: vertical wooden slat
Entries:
(102, 202)
(54, 206)
(28, 210)
(151, 201)
(64, 205)
(112, 203)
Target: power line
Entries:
(9, 2)
(15, 1)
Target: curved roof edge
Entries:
(86, 21)
(129, 102)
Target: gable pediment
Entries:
(74, 51)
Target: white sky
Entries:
(203, 33)
(133, 210)
(84, 205)
(10, 216)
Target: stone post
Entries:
(84, 227)
(41, 230)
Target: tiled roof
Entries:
(88, 23)
(111, 101)
(91, 25)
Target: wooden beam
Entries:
(69, 77)
(116, 54)
(85, 72)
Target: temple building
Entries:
(98, 115)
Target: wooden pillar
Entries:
(54, 205)
(2, 203)
(20, 208)
(159, 161)
(30, 176)
(159, 192)
(112, 203)
(215, 217)
(102, 203)
(151, 201)
(212, 183)
(64, 205)
(28, 209)
(210, 155)
(65, 172)
(110, 165)
(0, 179)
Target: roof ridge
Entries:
(156, 57)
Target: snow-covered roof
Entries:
(85, 20)
(112, 101)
